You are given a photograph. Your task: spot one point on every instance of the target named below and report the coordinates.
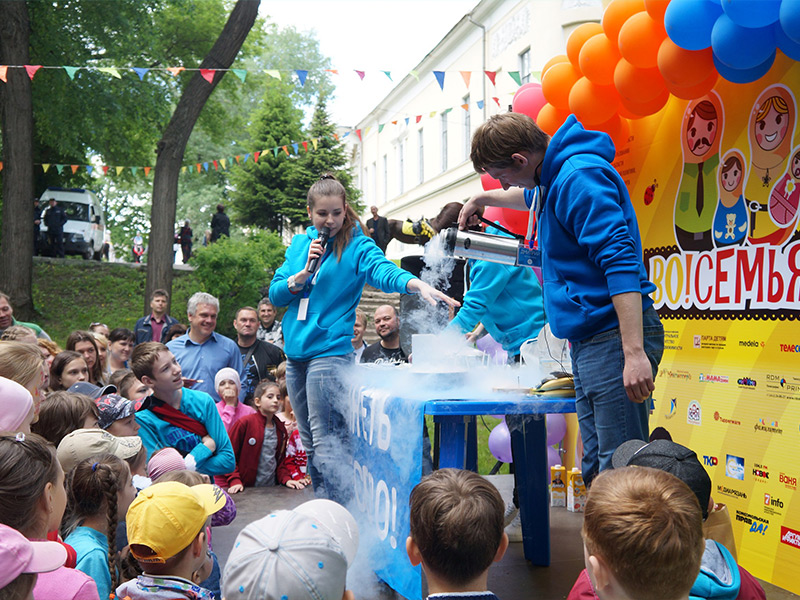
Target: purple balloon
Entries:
(500, 443)
(556, 428)
(553, 459)
(488, 345)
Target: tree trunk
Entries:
(16, 250)
(173, 144)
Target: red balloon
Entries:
(529, 100)
(490, 183)
(513, 220)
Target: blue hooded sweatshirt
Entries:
(591, 248)
(333, 298)
(505, 298)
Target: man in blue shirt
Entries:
(201, 352)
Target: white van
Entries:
(86, 223)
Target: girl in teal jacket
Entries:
(318, 325)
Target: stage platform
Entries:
(513, 578)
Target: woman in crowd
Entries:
(84, 343)
(68, 368)
(23, 363)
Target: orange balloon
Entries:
(684, 68)
(578, 38)
(557, 82)
(593, 103)
(637, 85)
(616, 13)
(694, 91)
(618, 128)
(656, 9)
(640, 39)
(558, 58)
(598, 58)
(643, 109)
(551, 118)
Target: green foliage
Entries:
(237, 270)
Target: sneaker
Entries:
(514, 529)
(512, 512)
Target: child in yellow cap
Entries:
(167, 531)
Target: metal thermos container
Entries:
(482, 246)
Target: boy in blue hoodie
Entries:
(596, 291)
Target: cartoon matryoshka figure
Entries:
(731, 218)
(785, 196)
(771, 129)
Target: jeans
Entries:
(319, 397)
(605, 415)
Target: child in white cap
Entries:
(228, 385)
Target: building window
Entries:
(525, 66)
(421, 144)
(444, 141)
(385, 178)
(401, 167)
(467, 127)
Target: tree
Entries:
(171, 148)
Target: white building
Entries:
(414, 152)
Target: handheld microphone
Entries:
(324, 234)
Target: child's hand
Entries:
(295, 485)
(235, 489)
(209, 442)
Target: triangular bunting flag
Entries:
(74, 168)
(447, 110)
(334, 71)
(466, 75)
(205, 166)
(406, 120)
(199, 167)
(141, 72)
(432, 114)
(295, 147)
(134, 170)
(358, 133)
(496, 99)
(336, 136)
(381, 126)
(394, 122)
(215, 165)
(314, 142)
(89, 169)
(286, 150)
(147, 171)
(238, 157)
(414, 74)
(440, 78)
(71, 71)
(31, 70)
(1, 165)
(110, 71)
(537, 75)
(175, 70)
(388, 74)
(256, 156)
(301, 75)
(45, 167)
(418, 118)
(105, 169)
(360, 74)
(275, 151)
(367, 130)
(346, 133)
(223, 162)
(246, 156)
(184, 169)
(273, 73)
(119, 170)
(480, 104)
(59, 168)
(305, 146)
(515, 76)
(240, 73)
(465, 106)
(3, 73)
(491, 75)
(208, 74)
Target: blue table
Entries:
(525, 418)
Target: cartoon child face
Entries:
(731, 178)
(796, 165)
(701, 134)
(771, 130)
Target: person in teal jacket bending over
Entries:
(596, 291)
(321, 284)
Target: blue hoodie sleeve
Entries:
(487, 281)
(596, 218)
(380, 272)
(222, 460)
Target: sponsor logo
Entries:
(709, 378)
(768, 426)
(673, 405)
(789, 347)
(721, 419)
(772, 377)
(725, 490)
(749, 344)
(734, 467)
(746, 382)
(697, 340)
(760, 472)
(790, 537)
(685, 375)
(789, 387)
(694, 413)
(772, 504)
(789, 482)
(757, 524)
(710, 461)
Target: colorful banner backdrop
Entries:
(716, 185)
(386, 433)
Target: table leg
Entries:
(471, 463)
(452, 441)
(529, 447)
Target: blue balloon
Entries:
(790, 19)
(689, 22)
(752, 13)
(739, 47)
(786, 44)
(744, 75)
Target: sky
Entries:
(370, 36)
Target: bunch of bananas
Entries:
(556, 385)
